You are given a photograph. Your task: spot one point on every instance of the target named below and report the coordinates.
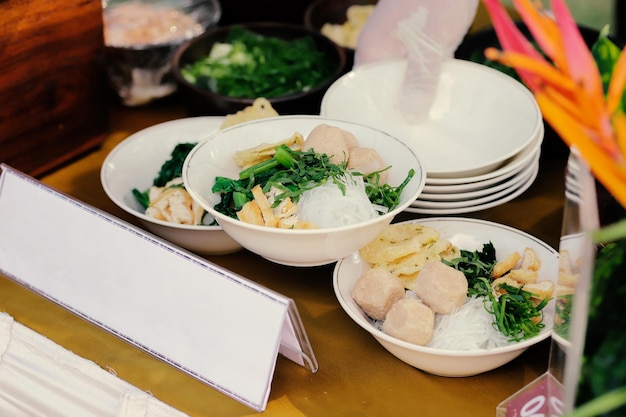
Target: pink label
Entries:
(542, 398)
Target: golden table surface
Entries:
(356, 375)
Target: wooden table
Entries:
(356, 375)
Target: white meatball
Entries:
(410, 320)
(350, 139)
(330, 140)
(441, 287)
(376, 291)
(366, 161)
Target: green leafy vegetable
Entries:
(605, 52)
(293, 173)
(251, 65)
(563, 311)
(384, 194)
(172, 168)
(515, 313)
(142, 198)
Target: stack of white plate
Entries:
(480, 141)
(464, 194)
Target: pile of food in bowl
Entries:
(228, 67)
(246, 62)
(142, 175)
(326, 180)
(284, 187)
(427, 291)
(451, 296)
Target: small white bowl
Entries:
(299, 247)
(469, 234)
(135, 162)
(479, 119)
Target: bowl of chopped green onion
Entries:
(227, 68)
(303, 190)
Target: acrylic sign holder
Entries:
(553, 393)
(194, 315)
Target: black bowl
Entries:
(320, 12)
(199, 101)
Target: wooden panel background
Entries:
(52, 92)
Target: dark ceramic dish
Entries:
(199, 101)
(320, 12)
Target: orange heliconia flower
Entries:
(568, 85)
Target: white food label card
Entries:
(208, 322)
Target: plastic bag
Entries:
(426, 32)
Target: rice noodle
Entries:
(327, 206)
(470, 327)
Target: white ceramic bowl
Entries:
(479, 119)
(286, 246)
(468, 234)
(135, 162)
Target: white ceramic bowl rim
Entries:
(419, 176)
(443, 352)
(369, 327)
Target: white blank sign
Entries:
(221, 328)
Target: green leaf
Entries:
(173, 167)
(606, 54)
(514, 312)
(293, 173)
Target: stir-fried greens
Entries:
(172, 168)
(293, 173)
(251, 65)
(515, 313)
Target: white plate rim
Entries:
(514, 163)
(478, 185)
(470, 209)
(508, 183)
(519, 181)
